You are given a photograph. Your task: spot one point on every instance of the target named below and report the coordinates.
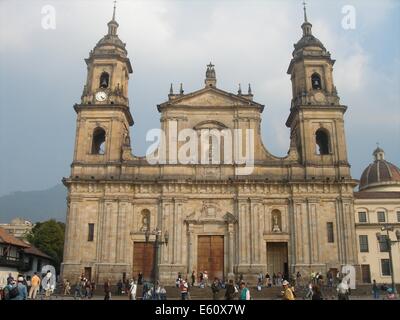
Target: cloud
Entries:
(43, 72)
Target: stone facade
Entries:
(302, 203)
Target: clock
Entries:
(101, 96)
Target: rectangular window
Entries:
(329, 226)
(383, 245)
(381, 216)
(398, 216)
(363, 243)
(362, 217)
(385, 264)
(91, 232)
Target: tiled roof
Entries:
(7, 238)
(36, 252)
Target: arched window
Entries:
(99, 141)
(322, 142)
(316, 81)
(104, 80)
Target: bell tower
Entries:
(316, 115)
(104, 117)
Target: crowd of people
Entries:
(23, 288)
(27, 287)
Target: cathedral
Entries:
(128, 214)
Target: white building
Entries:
(378, 204)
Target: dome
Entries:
(111, 40)
(309, 41)
(381, 174)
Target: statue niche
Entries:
(276, 221)
(145, 223)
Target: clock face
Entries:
(101, 96)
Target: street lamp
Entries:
(157, 242)
(389, 244)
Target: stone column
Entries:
(75, 254)
(267, 219)
(106, 243)
(68, 233)
(190, 235)
(230, 235)
(292, 254)
(121, 233)
(181, 237)
(306, 233)
(350, 236)
(243, 234)
(313, 230)
(339, 230)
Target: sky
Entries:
(42, 71)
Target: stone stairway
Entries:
(273, 293)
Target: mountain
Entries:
(35, 205)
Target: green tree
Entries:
(48, 236)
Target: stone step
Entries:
(197, 293)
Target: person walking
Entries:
(163, 293)
(230, 291)
(298, 279)
(343, 290)
(77, 289)
(317, 295)
(10, 278)
(260, 278)
(244, 291)
(47, 284)
(107, 290)
(67, 288)
(193, 277)
(35, 285)
(268, 280)
(88, 289)
(156, 293)
(184, 289)
(287, 293)
(309, 293)
(375, 290)
(201, 280)
(92, 288)
(140, 278)
(133, 290)
(119, 287)
(28, 283)
(205, 278)
(10, 290)
(215, 288)
(22, 291)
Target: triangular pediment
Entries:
(211, 97)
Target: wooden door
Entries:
(366, 273)
(143, 260)
(210, 256)
(277, 257)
